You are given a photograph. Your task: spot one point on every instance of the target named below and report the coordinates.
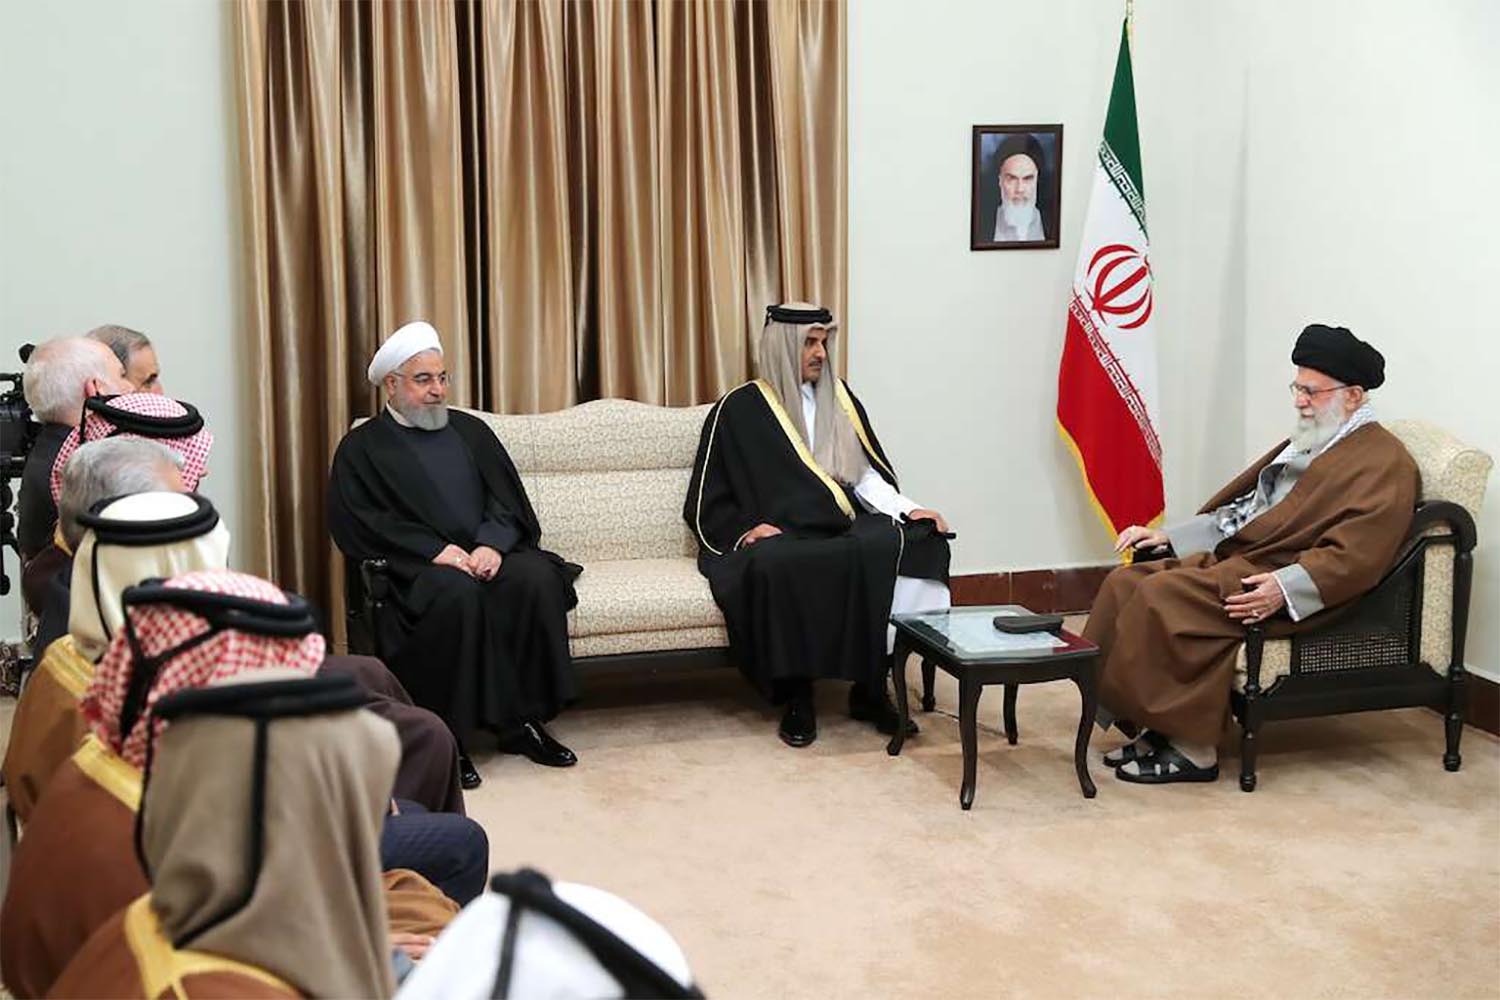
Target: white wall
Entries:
(967, 343)
(117, 198)
(1322, 108)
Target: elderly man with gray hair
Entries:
(97, 471)
(60, 375)
(806, 540)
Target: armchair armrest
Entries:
(1405, 569)
(367, 590)
(376, 577)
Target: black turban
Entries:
(1020, 143)
(1339, 354)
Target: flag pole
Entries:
(1130, 21)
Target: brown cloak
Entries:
(130, 957)
(47, 726)
(1167, 647)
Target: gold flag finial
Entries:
(1130, 21)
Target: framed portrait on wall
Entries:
(1017, 187)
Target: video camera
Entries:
(17, 434)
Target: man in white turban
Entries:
(806, 540)
(476, 628)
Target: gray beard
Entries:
(1313, 433)
(428, 417)
(1018, 216)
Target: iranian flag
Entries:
(1107, 407)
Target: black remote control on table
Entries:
(1029, 623)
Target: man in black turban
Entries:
(1018, 168)
(1168, 629)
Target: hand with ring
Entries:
(1261, 599)
(455, 557)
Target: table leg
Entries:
(898, 679)
(1087, 680)
(968, 734)
(1011, 733)
(929, 676)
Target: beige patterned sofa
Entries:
(607, 480)
(1400, 645)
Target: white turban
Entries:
(103, 568)
(549, 959)
(407, 342)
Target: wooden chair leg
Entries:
(929, 677)
(1249, 744)
(1250, 715)
(1453, 719)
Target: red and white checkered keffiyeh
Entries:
(193, 448)
(160, 627)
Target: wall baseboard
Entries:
(1484, 704)
(1050, 591)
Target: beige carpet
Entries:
(1359, 868)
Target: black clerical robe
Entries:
(481, 654)
(813, 601)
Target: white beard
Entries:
(1314, 432)
(1018, 216)
(427, 417)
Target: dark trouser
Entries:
(429, 754)
(449, 851)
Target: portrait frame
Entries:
(1045, 141)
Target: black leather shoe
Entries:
(468, 777)
(532, 741)
(799, 723)
(879, 710)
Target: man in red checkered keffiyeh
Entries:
(177, 425)
(184, 650)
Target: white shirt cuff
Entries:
(1299, 590)
(881, 497)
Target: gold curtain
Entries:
(588, 198)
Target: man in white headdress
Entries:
(532, 937)
(477, 629)
(805, 538)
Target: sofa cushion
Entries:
(619, 596)
(602, 434)
(649, 642)
(613, 513)
(1275, 663)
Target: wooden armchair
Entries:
(1399, 645)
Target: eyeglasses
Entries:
(1299, 390)
(425, 379)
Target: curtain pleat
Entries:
(419, 196)
(588, 199)
(529, 333)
